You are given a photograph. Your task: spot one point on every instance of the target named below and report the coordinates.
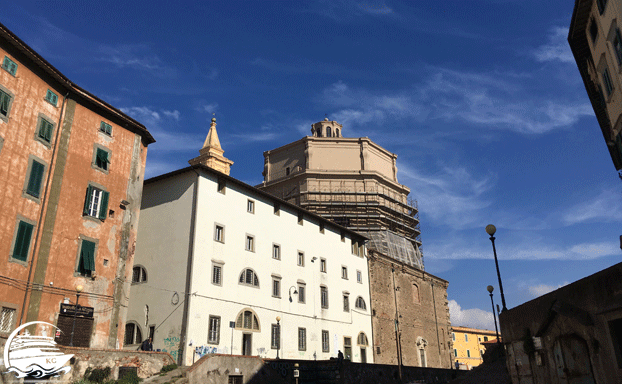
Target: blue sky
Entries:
(480, 99)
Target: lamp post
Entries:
(490, 289)
(290, 292)
(278, 335)
(491, 229)
(75, 312)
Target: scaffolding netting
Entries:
(396, 247)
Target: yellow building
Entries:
(469, 345)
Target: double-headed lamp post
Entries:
(490, 288)
(491, 229)
(278, 335)
(79, 289)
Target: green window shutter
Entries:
(36, 176)
(103, 210)
(51, 97)
(87, 257)
(102, 159)
(22, 241)
(4, 103)
(87, 200)
(45, 130)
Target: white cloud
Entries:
(557, 48)
(472, 318)
(543, 289)
(209, 108)
(606, 207)
(377, 9)
(172, 114)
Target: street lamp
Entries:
(491, 229)
(278, 335)
(490, 289)
(290, 292)
(75, 312)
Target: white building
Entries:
(218, 261)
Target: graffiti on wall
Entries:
(171, 345)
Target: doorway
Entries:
(363, 355)
(246, 344)
(347, 348)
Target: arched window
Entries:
(249, 277)
(362, 339)
(139, 274)
(247, 319)
(328, 132)
(336, 132)
(416, 294)
(133, 335)
(360, 303)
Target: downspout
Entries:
(397, 329)
(184, 321)
(44, 201)
(438, 340)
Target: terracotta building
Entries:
(470, 344)
(353, 182)
(71, 174)
(596, 43)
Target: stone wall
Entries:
(147, 363)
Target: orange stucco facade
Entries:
(59, 196)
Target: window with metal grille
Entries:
(7, 318)
(360, 303)
(362, 339)
(247, 320)
(213, 333)
(302, 339)
(325, 341)
(324, 296)
(236, 379)
(216, 274)
(249, 277)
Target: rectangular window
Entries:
(105, 128)
(468, 353)
(453, 336)
(301, 293)
(276, 251)
(22, 241)
(276, 336)
(9, 65)
(455, 352)
(359, 277)
(250, 206)
(325, 341)
(45, 130)
(607, 81)
(344, 272)
(51, 97)
(302, 339)
(324, 297)
(213, 334)
(250, 243)
(35, 179)
(5, 103)
(422, 357)
(301, 259)
(276, 287)
(7, 319)
(217, 274)
(300, 218)
(485, 338)
(86, 264)
(236, 379)
(96, 203)
(355, 248)
(323, 265)
(466, 337)
(219, 233)
(346, 303)
(617, 46)
(102, 159)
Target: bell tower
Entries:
(326, 128)
(212, 155)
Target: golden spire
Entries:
(212, 154)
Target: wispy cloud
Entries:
(606, 207)
(209, 108)
(557, 48)
(472, 318)
(543, 289)
(342, 10)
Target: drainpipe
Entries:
(438, 340)
(397, 329)
(44, 202)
